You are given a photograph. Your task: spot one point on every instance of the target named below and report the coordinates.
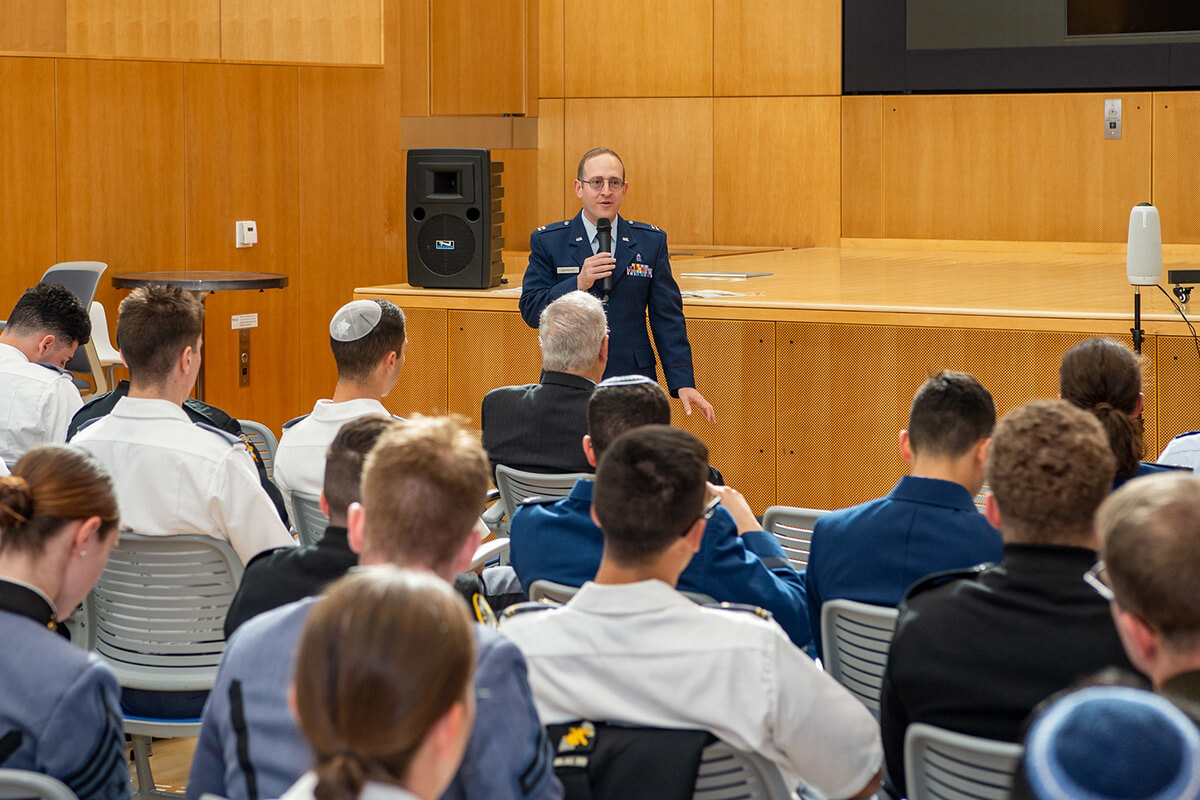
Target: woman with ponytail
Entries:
(1104, 377)
(59, 705)
(382, 687)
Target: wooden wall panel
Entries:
(735, 371)
(776, 171)
(488, 349)
(423, 381)
(834, 405)
(1176, 385)
(120, 165)
(393, 155)
(777, 47)
(33, 26)
(27, 200)
(638, 48)
(329, 31)
(1012, 167)
(667, 147)
(520, 196)
(242, 163)
(550, 47)
(137, 28)
(477, 57)
(862, 166)
(414, 54)
(552, 176)
(342, 208)
(1176, 169)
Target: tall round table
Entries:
(201, 280)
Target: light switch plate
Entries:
(1112, 119)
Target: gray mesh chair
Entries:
(264, 442)
(81, 278)
(157, 616)
(493, 548)
(544, 591)
(308, 518)
(855, 639)
(726, 773)
(792, 528)
(943, 765)
(20, 783)
(517, 486)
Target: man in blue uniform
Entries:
(565, 256)
(738, 562)
(929, 523)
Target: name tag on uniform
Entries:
(567, 270)
(636, 270)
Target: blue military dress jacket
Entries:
(59, 705)
(558, 541)
(873, 552)
(642, 284)
(251, 749)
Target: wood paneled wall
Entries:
(319, 31)
(725, 113)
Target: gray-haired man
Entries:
(538, 427)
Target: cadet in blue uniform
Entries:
(564, 257)
(59, 708)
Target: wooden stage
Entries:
(812, 368)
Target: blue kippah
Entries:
(1113, 743)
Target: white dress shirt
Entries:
(173, 476)
(643, 654)
(1183, 451)
(306, 788)
(300, 459)
(36, 403)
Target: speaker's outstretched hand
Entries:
(690, 397)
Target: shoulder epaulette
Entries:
(540, 500)
(553, 226)
(1184, 435)
(527, 608)
(226, 435)
(294, 420)
(263, 555)
(54, 368)
(91, 421)
(942, 578)
(761, 613)
(644, 226)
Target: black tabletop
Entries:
(200, 280)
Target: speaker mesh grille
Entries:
(446, 244)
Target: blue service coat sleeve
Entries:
(88, 736)
(508, 753)
(750, 569)
(542, 284)
(812, 587)
(208, 762)
(665, 309)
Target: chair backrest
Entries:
(944, 765)
(308, 518)
(81, 278)
(157, 614)
(104, 347)
(264, 442)
(20, 783)
(544, 591)
(517, 486)
(792, 528)
(981, 498)
(728, 773)
(855, 638)
(493, 548)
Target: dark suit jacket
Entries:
(642, 284)
(274, 578)
(538, 427)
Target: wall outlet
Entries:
(247, 233)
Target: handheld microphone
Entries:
(604, 245)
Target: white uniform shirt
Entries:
(174, 477)
(36, 404)
(643, 654)
(300, 459)
(306, 789)
(1183, 451)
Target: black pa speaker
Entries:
(454, 218)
